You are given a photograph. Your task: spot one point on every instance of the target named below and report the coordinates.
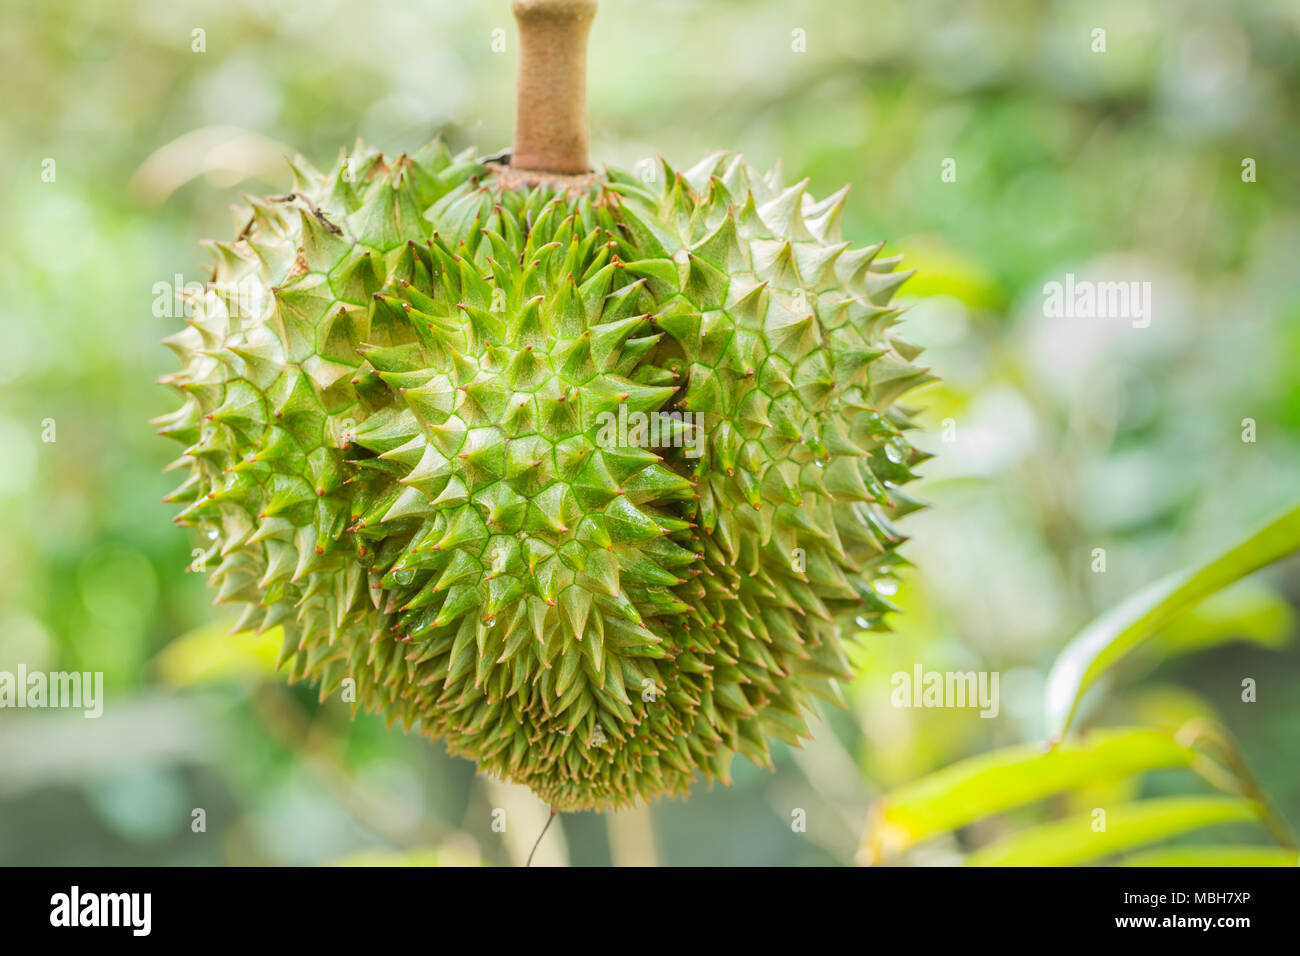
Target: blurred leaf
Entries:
(950, 271)
(238, 154)
(1214, 856)
(1073, 841)
(1100, 793)
(1011, 777)
(1118, 631)
(1248, 612)
(1165, 706)
(210, 654)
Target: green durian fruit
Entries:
(583, 479)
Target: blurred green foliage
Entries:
(1011, 777)
(1054, 437)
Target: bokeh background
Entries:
(1054, 437)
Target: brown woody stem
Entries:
(551, 89)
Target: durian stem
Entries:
(551, 87)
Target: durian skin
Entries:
(394, 453)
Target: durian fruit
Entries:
(397, 396)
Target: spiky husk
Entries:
(399, 455)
